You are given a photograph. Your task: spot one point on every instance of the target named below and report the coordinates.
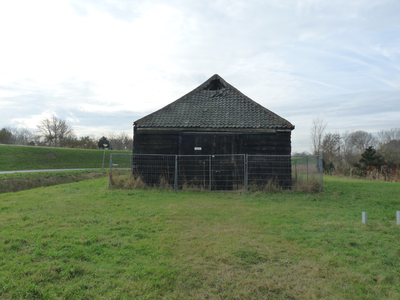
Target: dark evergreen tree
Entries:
(369, 158)
(103, 141)
(6, 136)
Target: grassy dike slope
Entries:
(17, 182)
(85, 241)
(32, 158)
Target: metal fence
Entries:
(217, 172)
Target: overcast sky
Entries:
(102, 64)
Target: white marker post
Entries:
(398, 217)
(364, 217)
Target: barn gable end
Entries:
(214, 118)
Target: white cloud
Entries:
(32, 120)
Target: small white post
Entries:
(364, 217)
(398, 217)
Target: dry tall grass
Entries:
(311, 186)
(128, 181)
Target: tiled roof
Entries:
(214, 104)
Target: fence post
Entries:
(110, 176)
(364, 217)
(209, 171)
(176, 173)
(131, 156)
(398, 217)
(307, 168)
(321, 171)
(246, 172)
(104, 155)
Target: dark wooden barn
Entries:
(215, 118)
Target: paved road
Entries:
(46, 170)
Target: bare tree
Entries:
(391, 152)
(385, 136)
(120, 141)
(54, 130)
(389, 146)
(317, 132)
(361, 140)
(331, 146)
(24, 136)
(350, 156)
(355, 144)
(17, 136)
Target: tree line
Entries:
(55, 132)
(355, 152)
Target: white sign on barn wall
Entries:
(197, 148)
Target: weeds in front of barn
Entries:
(125, 180)
(83, 241)
(312, 185)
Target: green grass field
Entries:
(85, 241)
(32, 158)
